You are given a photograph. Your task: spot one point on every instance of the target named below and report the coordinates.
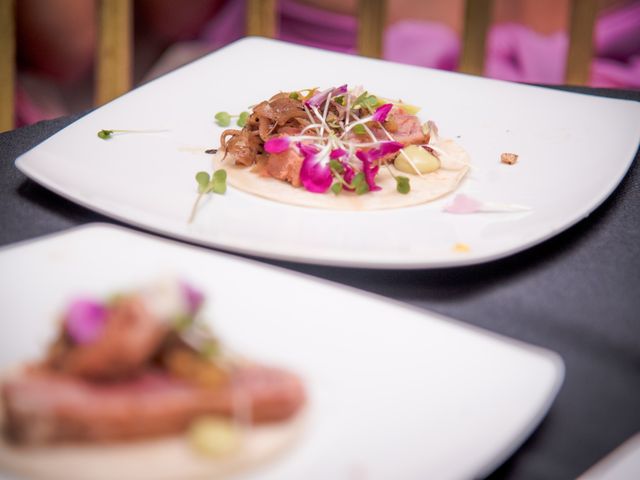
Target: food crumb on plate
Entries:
(461, 248)
(508, 158)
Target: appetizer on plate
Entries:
(339, 148)
(138, 385)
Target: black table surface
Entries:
(577, 294)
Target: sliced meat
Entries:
(42, 406)
(129, 339)
(408, 129)
(285, 166)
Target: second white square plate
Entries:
(394, 392)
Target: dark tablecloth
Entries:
(577, 294)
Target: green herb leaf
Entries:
(182, 322)
(371, 101)
(403, 186)
(242, 119)
(105, 134)
(357, 180)
(339, 100)
(336, 187)
(294, 95)
(359, 129)
(203, 181)
(362, 188)
(360, 99)
(209, 348)
(219, 182)
(223, 119)
(336, 165)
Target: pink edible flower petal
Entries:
(337, 153)
(380, 115)
(85, 320)
(348, 174)
(277, 144)
(340, 90)
(194, 297)
(385, 148)
(370, 171)
(315, 176)
(319, 98)
(463, 204)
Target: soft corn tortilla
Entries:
(454, 166)
(158, 459)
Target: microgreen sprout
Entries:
(402, 184)
(359, 184)
(223, 119)
(242, 119)
(216, 183)
(106, 134)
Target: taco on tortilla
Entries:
(137, 387)
(340, 148)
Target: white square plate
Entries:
(394, 392)
(574, 150)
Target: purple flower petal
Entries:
(380, 115)
(385, 148)
(194, 297)
(337, 153)
(85, 320)
(277, 144)
(370, 171)
(339, 90)
(319, 98)
(314, 175)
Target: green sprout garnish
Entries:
(336, 187)
(182, 322)
(224, 119)
(402, 184)
(336, 165)
(216, 183)
(359, 184)
(294, 95)
(359, 129)
(366, 101)
(108, 134)
(242, 119)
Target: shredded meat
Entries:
(283, 115)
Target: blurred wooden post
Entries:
(582, 22)
(477, 18)
(371, 20)
(113, 70)
(262, 18)
(7, 64)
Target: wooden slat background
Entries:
(371, 21)
(581, 29)
(477, 19)
(115, 44)
(7, 64)
(262, 18)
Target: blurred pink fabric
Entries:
(515, 52)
